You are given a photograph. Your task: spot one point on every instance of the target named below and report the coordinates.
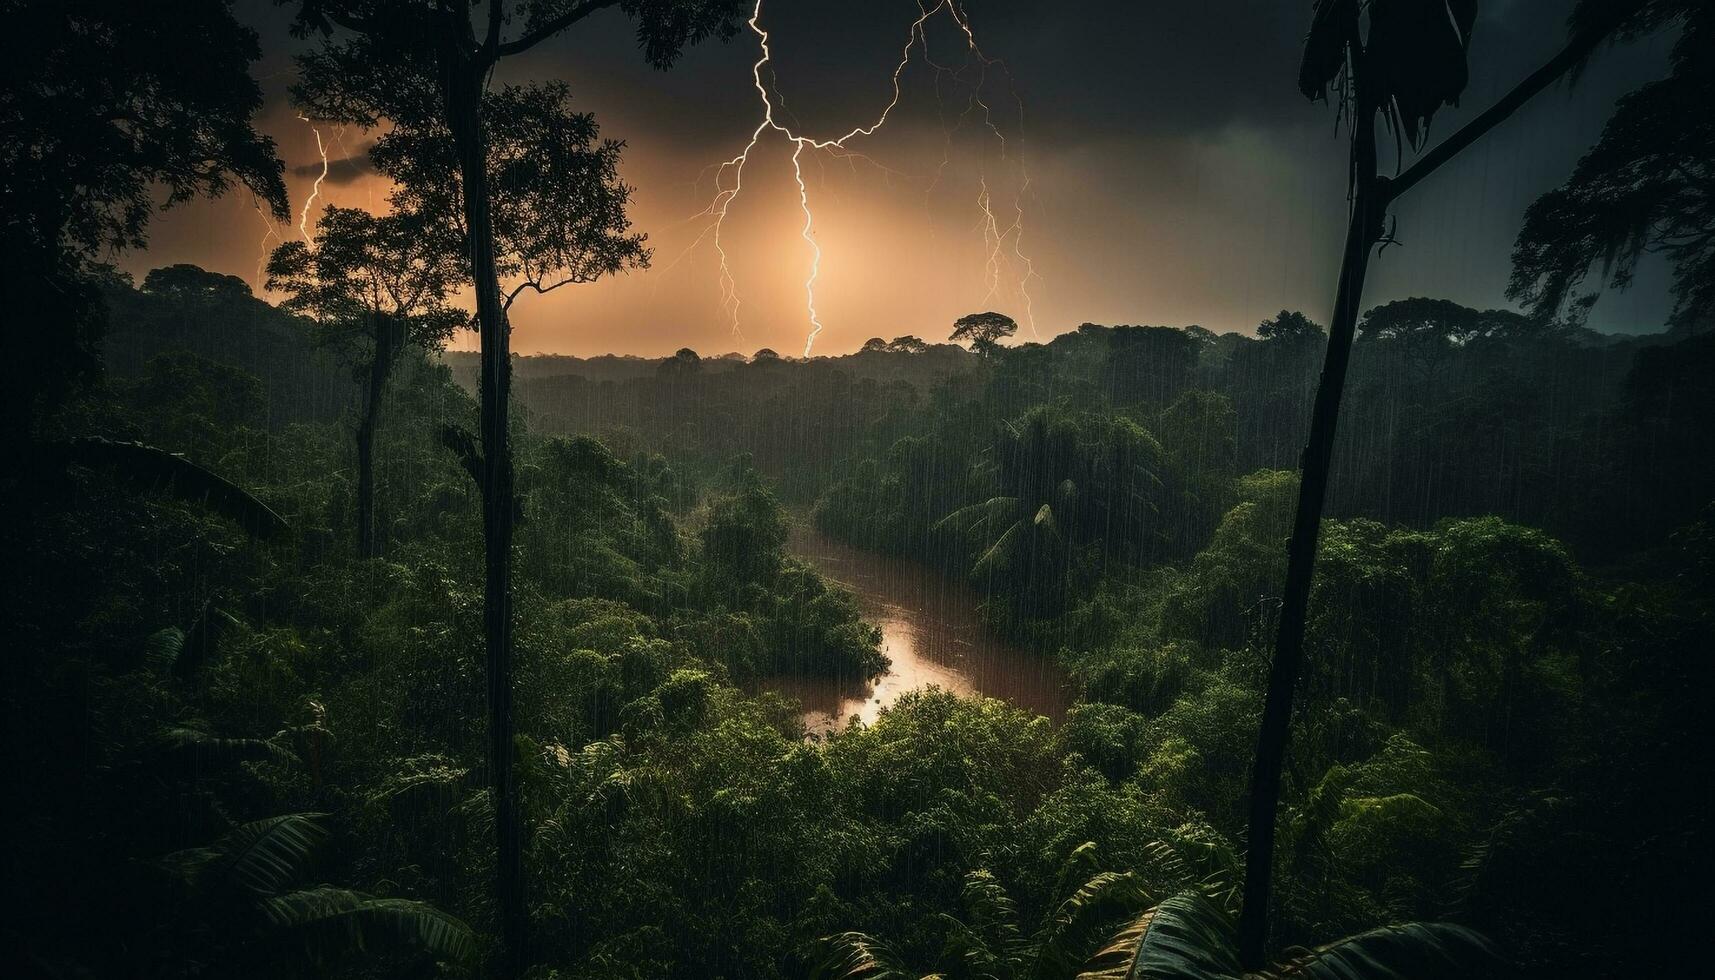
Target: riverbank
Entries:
(932, 631)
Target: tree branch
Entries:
(463, 445)
(492, 43)
(552, 27)
(1575, 51)
(540, 289)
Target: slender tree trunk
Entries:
(1372, 195)
(380, 368)
(366, 481)
(464, 79)
(1363, 230)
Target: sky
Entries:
(1144, 162)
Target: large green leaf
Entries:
(1183, 938)
(334, 923)
(268, 856)
(169, 472)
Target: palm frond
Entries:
(1325, 46)
(192, 751)
(161, 649)
(1044, 520)
(1000, 553)
(1414, 951)
(169, 472)
(1082, 862)
(1118, 959)
(993, 939)
(1188, 937)
(859, 956)
(1183, 938)
(973, 517)
(1077, 927)
(200, 639)
(1166, 862)
(333, 923)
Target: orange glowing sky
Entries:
(1156, 195)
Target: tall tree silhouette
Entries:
(500, 167)
(985, 331)
(1648, 185)
(106, 107)
(1392, 62)
(373, 285)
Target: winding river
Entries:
(930, 628)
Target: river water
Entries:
(930, 629)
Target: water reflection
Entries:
(931, 630)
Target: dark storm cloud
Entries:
(1178, 176)
(1086, 70)
(342, 170)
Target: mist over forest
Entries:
(1370, 642)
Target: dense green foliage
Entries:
(1494, 731)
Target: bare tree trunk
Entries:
(1363, 230)
(387, 344)
(464, 79)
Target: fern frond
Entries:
(267, 856)
(333, 923)
(189, 750)
(161, 649)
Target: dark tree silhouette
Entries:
(765, 354)
(1409, 62)
(1647, 186)
(1291, 327)
(1427, 332)
(185, 283)
(106, 108)
(500, 167)
(685, 363)
(373, 285)
(874, 344)
(907, 344)
(983, 331)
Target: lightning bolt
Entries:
(269, 231)
(994, 236)
(316, 190)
